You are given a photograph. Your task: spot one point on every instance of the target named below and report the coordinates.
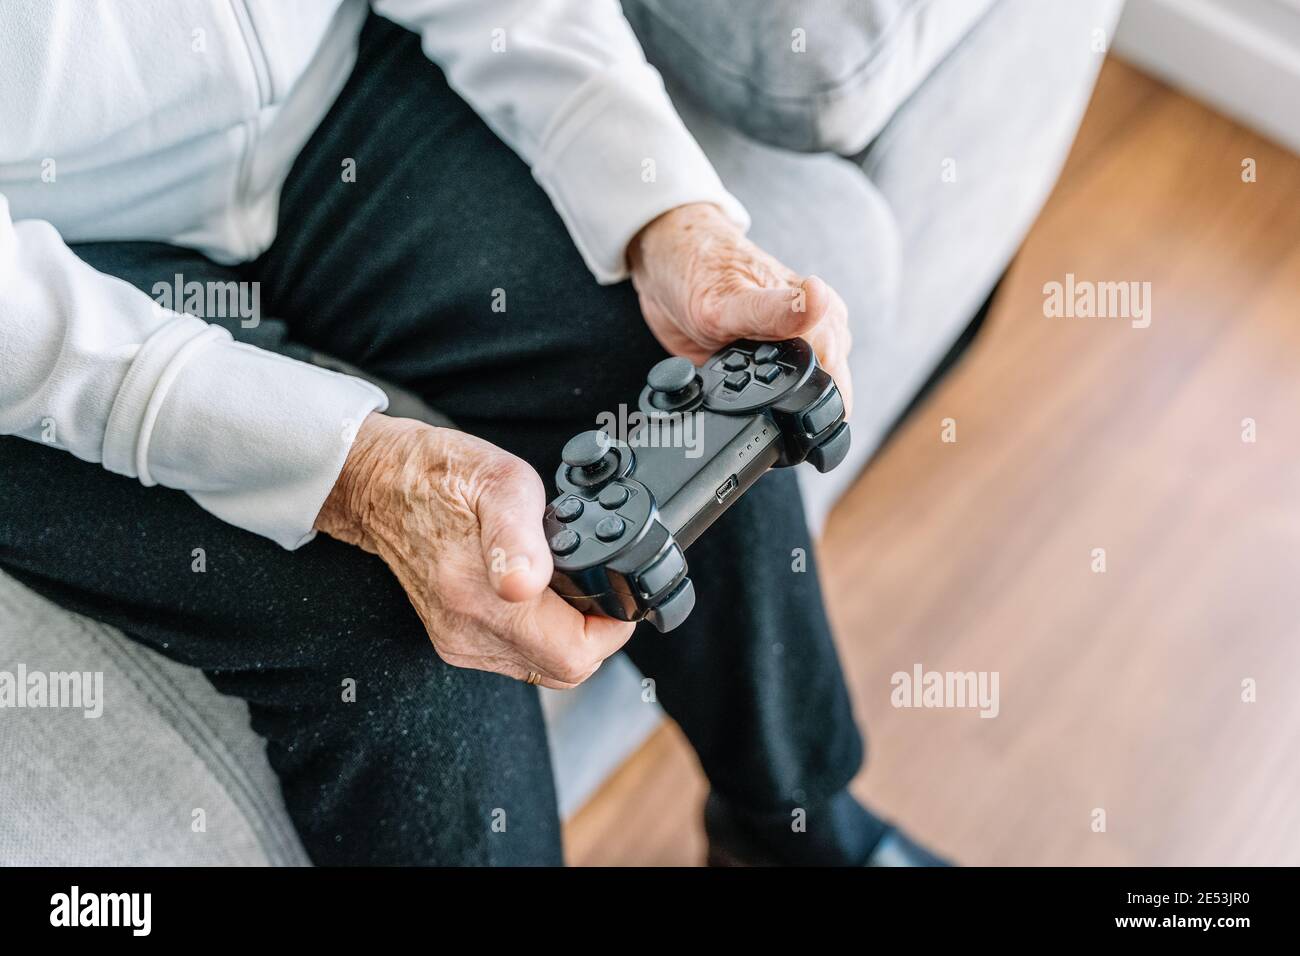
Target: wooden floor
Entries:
(1119, 691)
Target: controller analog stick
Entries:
(585, 450)
(672, 375)
(672, 383)
(587, 455)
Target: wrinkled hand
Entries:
(702, 284)
(459, 522)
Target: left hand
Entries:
(702, 284)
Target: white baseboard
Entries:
(1240, 56)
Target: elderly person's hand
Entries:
(702, 284)
(459, 522)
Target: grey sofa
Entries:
(898, 148)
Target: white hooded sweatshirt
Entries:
(177, 121)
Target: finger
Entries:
(563, 642)
(527, 672)
(833, 342)
(774, 314)
(515, 667)
(844, 382)
(509, 506)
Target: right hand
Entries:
(459, 522)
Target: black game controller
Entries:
(627, 509)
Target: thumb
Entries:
(777, 313)
(509, 509)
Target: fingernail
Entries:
(519, 563)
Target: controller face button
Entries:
(766, 353)
(610, 528)
(768, 373)
(570, 509)
(565, 542)
(824, 414)
(615, 496)
(733, 361)
(654, 579)
(736, 381)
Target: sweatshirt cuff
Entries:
(618, 157)
(256, 438)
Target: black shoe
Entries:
(896, 848)
(733, 843)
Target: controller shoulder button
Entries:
(832, 451)
(673, 609)
(824, 414)
(663, 573)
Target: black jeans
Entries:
(395, 273)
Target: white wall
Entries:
(1240, 56)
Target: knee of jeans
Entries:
(397, 685)
(611, 354)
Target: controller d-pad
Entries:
(734, 361)
(599, 532)
(570, 509)
(565, 542)
(736, 381)
(767, 374)
(766, 353)
(611, 497)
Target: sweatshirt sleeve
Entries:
(565, 84)
(90, 364)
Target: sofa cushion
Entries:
(804, 74)
(161, 771)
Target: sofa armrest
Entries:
(819, 76)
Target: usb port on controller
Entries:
(726, 489)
